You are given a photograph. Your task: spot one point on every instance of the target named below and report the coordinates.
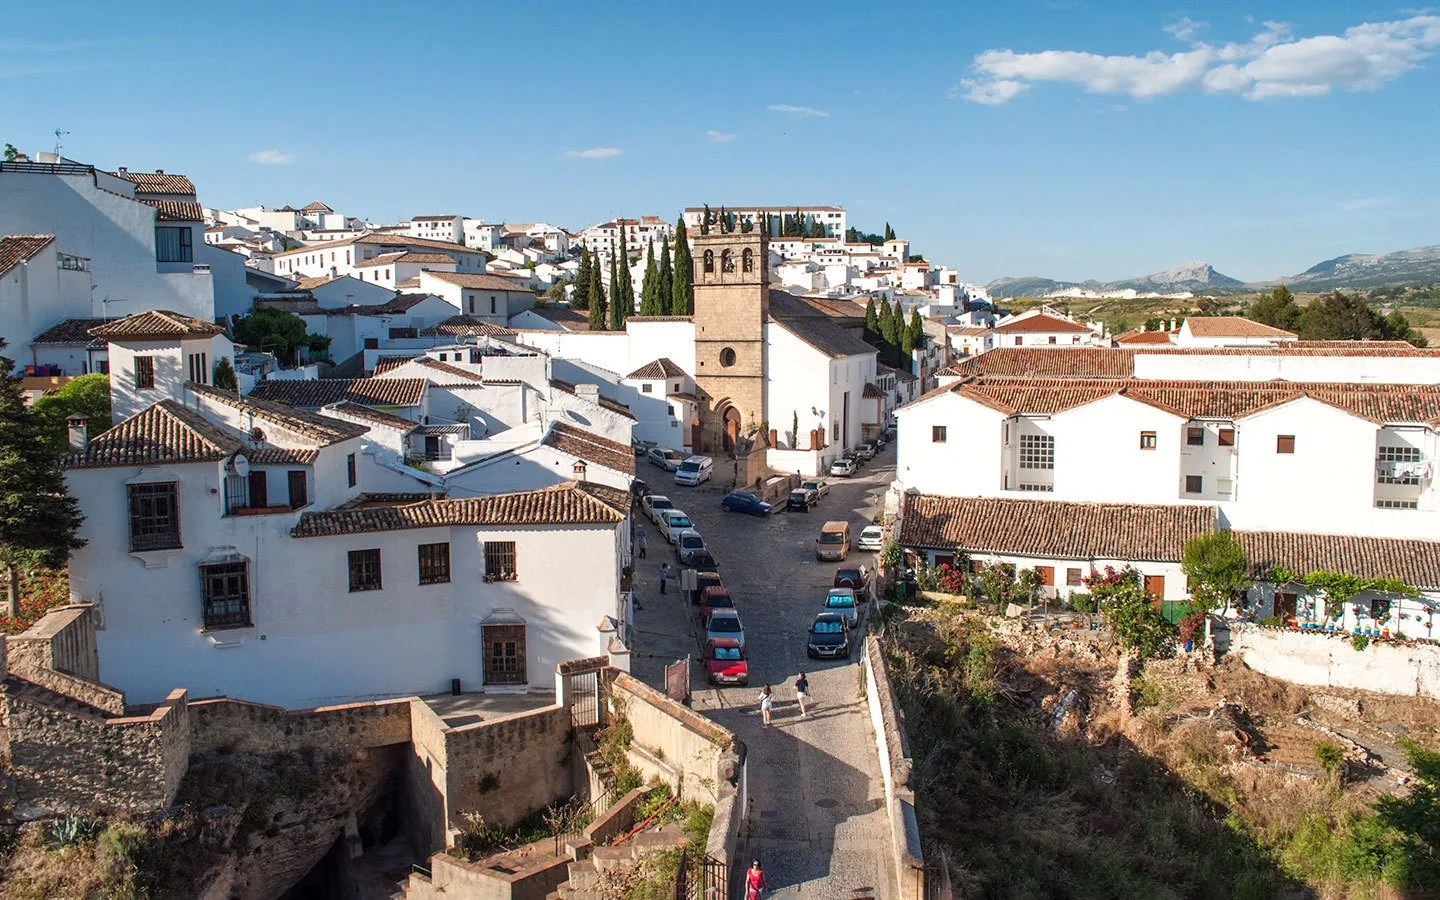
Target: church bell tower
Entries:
(732, 306)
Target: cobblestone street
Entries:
(816, 819)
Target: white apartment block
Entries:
(483, 235)
(831, 217)
(450, 229)
(352, 256)
(639, 234)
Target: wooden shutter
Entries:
(299, 491)
(259, 498)
(1155, 586)
(1046, 575)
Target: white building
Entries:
(639, 234)
(40, 287)
(489, 298)
(1044, 327)
(1229, 331)
(349, 256)
(831, 217)
(483, 235)
(450, 229)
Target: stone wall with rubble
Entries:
(245, 727)
(1409, 669)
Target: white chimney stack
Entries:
(76, 424)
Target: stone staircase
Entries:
(596, 876)
(38, 695)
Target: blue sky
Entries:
(1063, 138)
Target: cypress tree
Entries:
(896, 344)
(38, 517)
(705, 220)
(597, 296)
(724, 220)
(617, 318)
(872, 323)
(917, 330)
(886, 322)
(907, 344)
(650, 290)
(580, 299)
(623, 297)
(889, 232)
(682, 299)
(666, 287)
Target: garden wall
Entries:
(1411, 670)
(893, 746)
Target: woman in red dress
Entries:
(754, 881)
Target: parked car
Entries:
(746, 502)
(694, 470)
(872, 538)
(702, 561)
(705, 580)
(654, 505)
(665, 458)
(833, 542)
(842, 467)
(829, 637)
(857, 578)
(854, 458)
(842, 601)
(725, 623)
(674, 521)
(725, 662)
(714, 598)
(688, 543)
(801, 499)
(818, 485)
(641, 447)
(865, 451)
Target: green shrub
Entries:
(70, 830)
(1359, 642)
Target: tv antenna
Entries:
(59, 142)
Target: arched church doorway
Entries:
(731, 418)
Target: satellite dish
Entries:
(241, 465)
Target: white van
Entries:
(694, 470)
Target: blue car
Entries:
(746, 502)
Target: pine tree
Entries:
(666, 287)
(872, 323)
(650, 289)
(38, 517)
(597, 296)
(682, 299)
(889, 232)
(580, 299)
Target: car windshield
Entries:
(824, 627)
(718, 600)
(692, 540)
(689, 467)
(724, 623)
(839, 601)
(847, 575)
(831, 537)
(661, 503)
(727, 653)
(678, 521)
(872, 532)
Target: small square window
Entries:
(1072, 578)
(364, 570)
(1147, 440)
(1227, 437)
(937, 434)
(1195, 437)
(1284, 443)
(1193, 484)
(645, 389)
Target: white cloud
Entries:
(799, 112)
(272, 158)
(1273, 63)
(595, 153)
(719, 137)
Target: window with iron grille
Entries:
(1040, 488)
(144, 372)
(199, 370)
(226, 592)
(1392, 455)
(937, 434)
(1037, 451)
(364, 570)
(154, 516)
(434, 563)
(1195, 437)
(500, 561)
(1072, 577)
(237, 493)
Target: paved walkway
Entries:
(817, 819)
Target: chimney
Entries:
(122, 170)
(590, 392)
(159, 171)
(76, 424)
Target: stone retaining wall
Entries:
(245, 727)
(893, 746)
(1411, 670)
(58, 652)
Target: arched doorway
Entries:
(731, 435)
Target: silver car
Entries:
(725, 623)
(818, 485)
(665, 458)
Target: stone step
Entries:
(42, 696)
(608, 858)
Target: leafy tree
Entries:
(1217, 567)
(11, 154)
(39, 520)
(1338, 316)
(682, 298)
(1277, 309)
(889, 232)
(1133, 614)
(1417, 818)
(88, 395)
(650, 289)
(666, 287)
(224, 376)
(1399, 329)
(917, 330)
(273, 331)
(581, 298)
(597, 297)
(872, 323)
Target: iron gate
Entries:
(700, 878)
(584, 699)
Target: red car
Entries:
(705, 580)
(713, 599)
(725, 662)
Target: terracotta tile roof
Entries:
(280, 456)
(164, 433)
(966, 330)
(1415, 562)
(71, 331)
(367, 415)
(605, 402)
(872, 392)
(1052, 362)
(565, 504)
(1161, 338)
(156, 324)
(1382, 349)
(175, 210)
(568, 319)
(18, 248)
(386, 239)
(455, 372)
(310, 284)
(383, 259)
(317, 428)
(158, 182)
(815, 328)
(590, 447)
(483, 282)
(659, 318)
(1053, 529)
(384, 364)
(1232, 326)
(614, 498)
(683, 395)
(396, 305)
(468, 326)
(318, 392)
(316, 206)
(657, 369)
(1043, 323)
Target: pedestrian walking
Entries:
(802, 687)
(754, 881)
(767, 699)
(664, 575)
(641, 541)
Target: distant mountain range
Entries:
(1353, 271)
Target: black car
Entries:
(829, 637)
(801, 499)
(702, 561)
